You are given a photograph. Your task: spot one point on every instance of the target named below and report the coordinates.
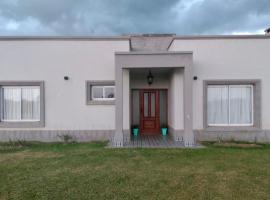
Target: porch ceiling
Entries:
(143, 71)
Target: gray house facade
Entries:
(99, 88)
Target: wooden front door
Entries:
(149, 112)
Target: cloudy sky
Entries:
(115, 17)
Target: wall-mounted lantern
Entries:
(150, 78)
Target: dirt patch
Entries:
(240, 145)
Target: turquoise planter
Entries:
(164, 131)
(135, 131)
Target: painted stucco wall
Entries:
(228, 59)
(81, 60)
(50, 61)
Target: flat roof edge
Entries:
(127, 37)
(199, 37)
(152, 52)
(64, 38)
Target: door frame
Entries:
(131, 104)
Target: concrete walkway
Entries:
(153, 142)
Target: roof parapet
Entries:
(141, 36)
(151, 42)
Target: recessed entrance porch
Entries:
(176, 84)
(149, 101)
(153, 106)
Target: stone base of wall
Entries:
(102, 135)
(55, 135)
(204, 135)
(176, 134)
(127, 135)
(248, 136)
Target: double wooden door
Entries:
(149, 112)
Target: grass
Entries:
(91, 171)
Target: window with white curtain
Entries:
(20, 103)
(230, 105)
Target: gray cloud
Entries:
(114, 17)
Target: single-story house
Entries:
(98, 88)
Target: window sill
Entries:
(22, 124)
(231, 128)
(103, 102)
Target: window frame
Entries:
(228, 87)
(23, 123)
(256, 105)
(99, 101)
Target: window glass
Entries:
(153, 104)
(240, 105)
(100, 92)
(145, 104)
(11, 103)
(21, 103)
(30, 103)
(217, 105)
(135, 107)
(109, 92)
(97, 92)
(230, 105)
(163, 107)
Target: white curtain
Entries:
(21, 103)
(30, 103)
(11, 103)
(240, 104)
(217, 105)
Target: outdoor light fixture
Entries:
(150, 78)
(66, 78)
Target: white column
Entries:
(189, 139)
(126, 104)
(118, 136)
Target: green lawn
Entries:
(91, 171)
